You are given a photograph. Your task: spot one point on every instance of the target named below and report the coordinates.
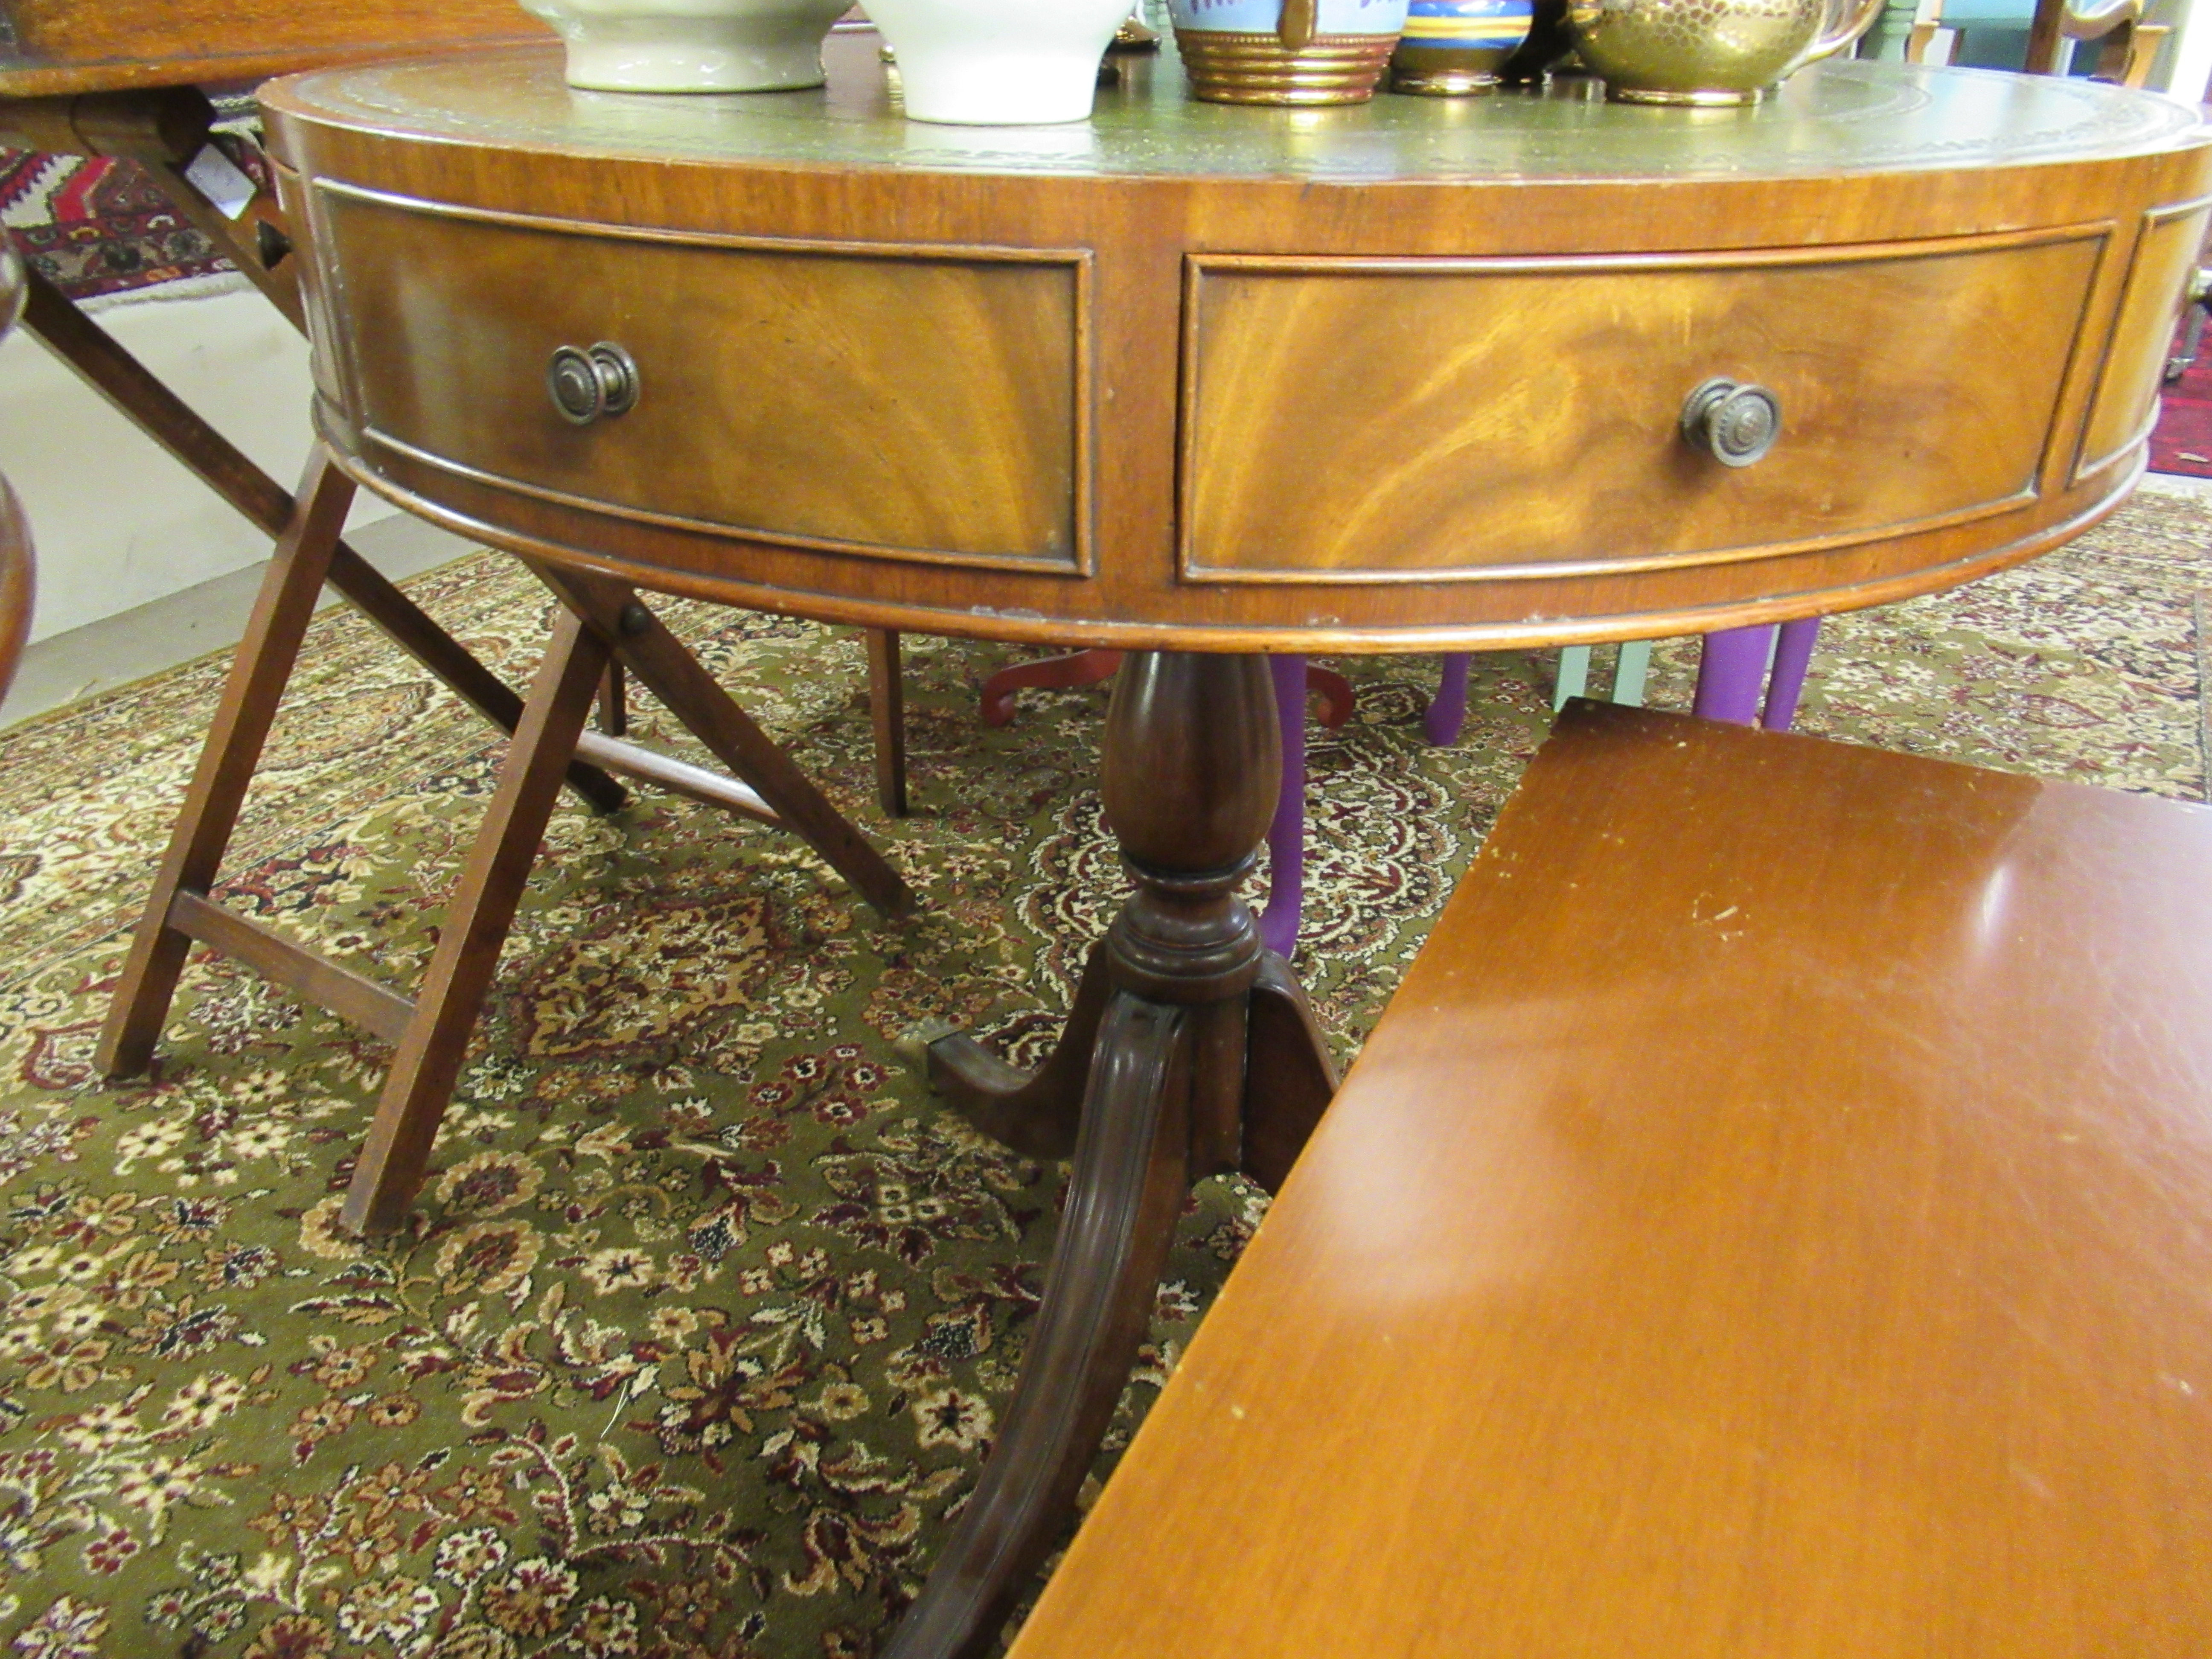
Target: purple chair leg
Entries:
(1286, 835)
(1792, 658)
(1731, 673)
(1447, 710)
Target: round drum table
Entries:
(1204, 382)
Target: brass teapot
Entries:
(1710, 51)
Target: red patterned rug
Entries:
(96, 227)
(2183, 441)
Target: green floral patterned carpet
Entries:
(702, 1328)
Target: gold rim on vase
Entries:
(1233, 67)
(1702, 98)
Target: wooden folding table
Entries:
(123, 78)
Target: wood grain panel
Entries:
(2126, 405)
(917, 404)
(1772, 1220)
(1488, 418)
(64, 46)
(326, 361)
(198, 34)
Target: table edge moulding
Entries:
(1202, 383)
(1184, 313)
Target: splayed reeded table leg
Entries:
(1190, 1051)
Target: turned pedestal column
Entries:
(1190, 1051)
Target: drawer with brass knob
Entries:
(1486, 418)
(1735, 424)
(815, 399)
(590, 385)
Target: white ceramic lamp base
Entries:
(732, 45)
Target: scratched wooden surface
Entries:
(52, 47)
(1774, 1218)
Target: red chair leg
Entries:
(1046, 673)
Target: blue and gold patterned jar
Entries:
(1286, 51)
(1452, 48)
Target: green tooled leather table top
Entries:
(1847, 117)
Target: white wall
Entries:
(2186, 62)
(115, 520)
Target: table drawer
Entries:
(2126, 405)
(1483, 418)
(910, 403)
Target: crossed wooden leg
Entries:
(177, 911)
(600, 622)
(163, 129)
(133, 389)
(1190, 1050)
(473, 927)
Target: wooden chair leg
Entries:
(887, 706)
(474, 928)
(601, 622)
(614, 702)
(671, 673)
(1079, 668)
(1333, 696)
(258, 675)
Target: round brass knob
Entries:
(587, 385)
(1734, 421)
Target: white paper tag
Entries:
(216, 177)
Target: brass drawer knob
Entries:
(586, 385)
(1734, 421)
